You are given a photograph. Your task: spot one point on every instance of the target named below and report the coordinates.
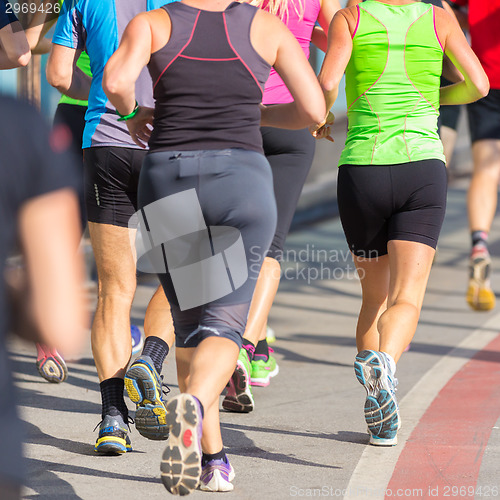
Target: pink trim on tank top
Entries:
(180, 51)
(357, 22)
(208, 58)
(435, 28)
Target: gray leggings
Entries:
(209, 231)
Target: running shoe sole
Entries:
(480, 298)
(151, 415)
(53, 368)
(181, 462)
(239, 397)
(264, 382)
(381, 407)
(112, 446)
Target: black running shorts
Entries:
(290, 154)
(380, 203)
(484, 117)
(111, 180)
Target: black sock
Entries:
(262, 350)
(206, 457)
(249, 348)
(157, 349)
(479, 238)
(113, 401)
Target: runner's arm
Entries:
(14, 48)
(326, 13)
(63, 73)
(125, 65)
(49, 232)
(475, 84)
(336, 58)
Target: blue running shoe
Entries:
(381, 407)
(113, 436)
(137, 339)
(216, 475)
(181, 462)
(145, 388)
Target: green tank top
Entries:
(392, 86)
(84, 64)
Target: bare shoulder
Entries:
(349, 15)
(268, 29)
(445, 22)
(268, 20)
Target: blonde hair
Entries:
(280, 8)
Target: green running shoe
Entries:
(262, 370)
(239, 397)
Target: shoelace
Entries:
(165, 389)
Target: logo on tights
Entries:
(205, 263)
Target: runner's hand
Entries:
(323, 130)
(140, 126)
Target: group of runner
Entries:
(230, 146)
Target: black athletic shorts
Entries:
(290, 154)
(111, 180)
(380, 203)
(72, 116)
(202, 195)
(484, 117)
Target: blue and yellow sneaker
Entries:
(239, 396)
(181, 461)
(381, 406)
(144, 387)
(113, 436)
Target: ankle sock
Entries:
(249, 348)
(157, 349)
(206, 457)
(390, 362)
(479, 239)
(113, 401)
(262, 350)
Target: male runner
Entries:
(112, 162)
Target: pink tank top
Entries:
(276, 91)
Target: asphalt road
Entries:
(307, 436)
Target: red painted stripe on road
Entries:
(446, 447)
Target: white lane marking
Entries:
(374, 470)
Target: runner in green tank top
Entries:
(392, 179)
(395, 72)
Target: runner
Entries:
(14, 48)
(209, 68)
(290, 154)
(484, 125)
(112, 162)
(392, 177)
(39, 207)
